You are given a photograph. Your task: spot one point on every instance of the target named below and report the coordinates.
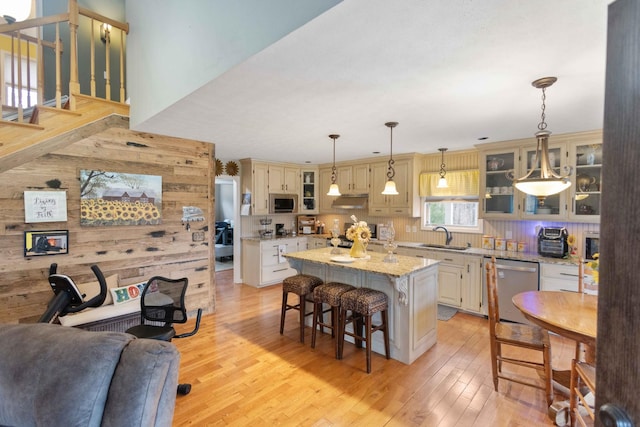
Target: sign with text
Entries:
(45, 206)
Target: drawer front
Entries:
(277, 273)
(556, 284)
(560, 271)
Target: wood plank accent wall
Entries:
(135, 253)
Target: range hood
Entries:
(350, 201)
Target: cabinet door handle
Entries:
(447, 259)
(569, 274)
(281, 269)
(510, 268)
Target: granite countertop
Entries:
(518, 256)
(260, 239)
(373, 263)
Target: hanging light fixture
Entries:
(334, 190)
(548, 182)
(442, 182)
(390, 186)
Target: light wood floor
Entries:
(243, 372)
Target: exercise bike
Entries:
(67, 297)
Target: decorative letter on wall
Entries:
(45, 206)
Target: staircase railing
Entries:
(32, 38)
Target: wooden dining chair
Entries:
(516, 335)
(583, 382)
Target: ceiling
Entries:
(449, 71)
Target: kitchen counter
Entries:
(518, 256)
(411, 286)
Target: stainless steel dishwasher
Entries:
(513, 277)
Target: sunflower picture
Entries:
(112, 198)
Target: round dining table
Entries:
(570, 314)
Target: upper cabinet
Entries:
(406, 203)
(353, 179)
(586, 182)
(255, 181)
(310, 190)
(581, 152)
(284, 179)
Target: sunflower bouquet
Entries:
(359, 231)
(594, 266)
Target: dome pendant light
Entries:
(442, 182)
(547, 182)
(390, 186)
(334, 190)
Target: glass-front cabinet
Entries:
(554, 206)
(579, 152)
(497, 188)
(587, 182)
(310, 190)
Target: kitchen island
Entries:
(411, 285)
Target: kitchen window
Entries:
(455, 207)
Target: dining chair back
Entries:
(516, 335)
(582, 393)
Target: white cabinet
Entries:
(316, 242)
(558, 277)
(262, 261)
(406, 203)
(579, 152)
(284, 179)
(472, 284)
(324, 201)
(309, 193)
(255, 181)
(353, 179)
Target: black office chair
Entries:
(162, 305)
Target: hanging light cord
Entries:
(443, 172)
(543, 125)
(333, 169)
(390, 171)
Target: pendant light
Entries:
(546, 182)
(334, 190)
(390, 186)
(442, 182)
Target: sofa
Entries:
(57, 376)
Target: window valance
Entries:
(463, 183)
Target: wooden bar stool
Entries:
(330, 294)
(302, 285)
(363, 304)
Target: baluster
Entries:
(93, 58)
(122, 94)
(107, 62)
(58, 54)
(74, 84)
(20, 109)
(40, 92)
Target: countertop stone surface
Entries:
(512, 255)
(372, 263)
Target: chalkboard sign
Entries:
(45, 206)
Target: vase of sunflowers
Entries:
(593, 268)
(360, 234)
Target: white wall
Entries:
(176, 46)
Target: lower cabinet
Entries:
(263, 263)
(558, 277)
(459, 277)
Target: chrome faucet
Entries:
(449, 235)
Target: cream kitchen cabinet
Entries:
(353, 179)
(263, 263)
(284, 179)
(324, 201)
(406, 203)
(579, 152)
(255, 181)
(309, 193)
(472, 284)
(558, 277)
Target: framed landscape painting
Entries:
(113, 198)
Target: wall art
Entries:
(45, 206)
(46, 242)
(113, 198)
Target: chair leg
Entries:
(283, 311)
(303, 308)
(315, 323)
(494, 363)
(573, 398)
(385, 331)
(368, 340)
(335, 325)
(342, 327)
(548, 375)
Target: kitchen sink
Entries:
(435, 246)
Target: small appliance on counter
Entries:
(552, 242)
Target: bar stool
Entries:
(363, 304)
(302, 285)
(330, 294)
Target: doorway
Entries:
(228, 225)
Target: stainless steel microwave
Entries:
(591, 245)
(283, 203)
